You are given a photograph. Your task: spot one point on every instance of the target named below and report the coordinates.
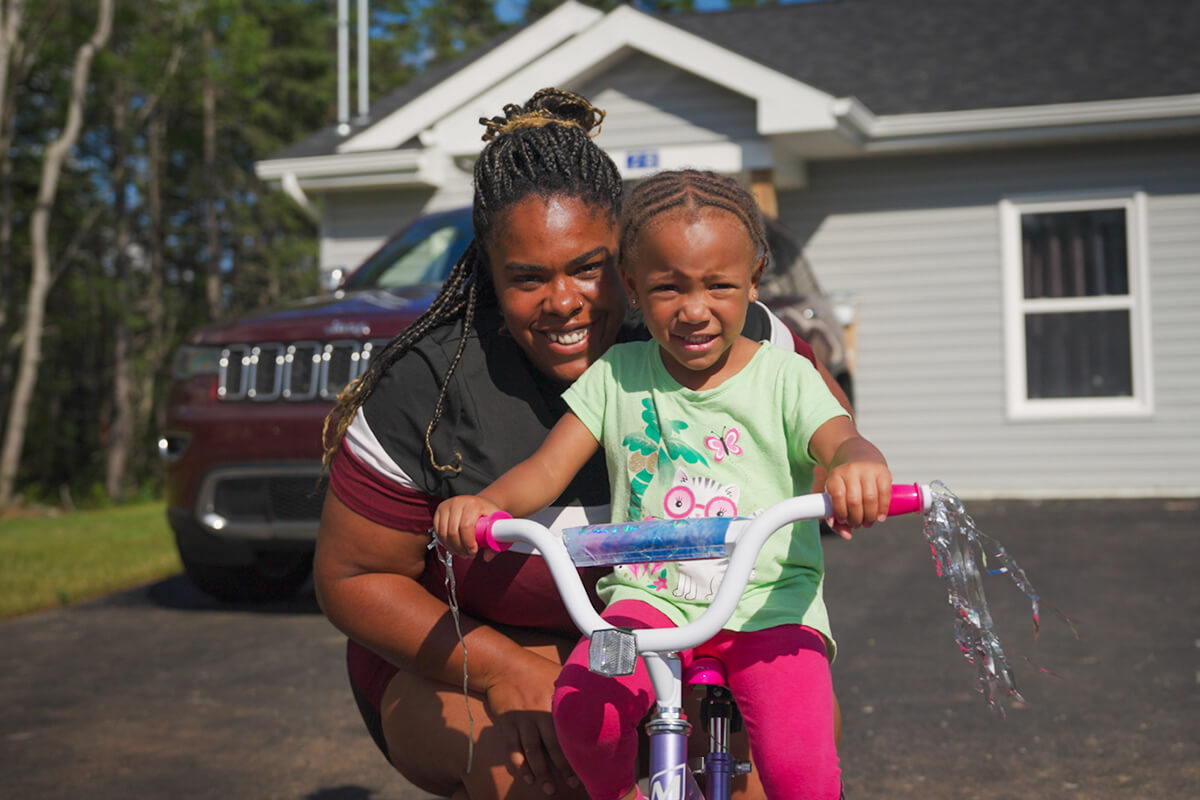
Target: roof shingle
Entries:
(923, 56)
(915, 56)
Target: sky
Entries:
(510, 10)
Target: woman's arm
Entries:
(835, 388)
(839, 394)
(367, 581)
(762, 323)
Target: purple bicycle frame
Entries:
(670, 778)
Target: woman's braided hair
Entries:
(692, 191)
(542, 148)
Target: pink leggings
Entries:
(779, 676)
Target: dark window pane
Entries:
(1075, 253)
(1078, 354)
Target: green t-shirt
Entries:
(732, 450)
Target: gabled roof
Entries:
(872, 74)
(921, 56)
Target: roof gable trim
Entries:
(401, 125)
(784, 104)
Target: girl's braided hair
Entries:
(543, 148)
(692, 191)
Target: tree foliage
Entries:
(127, 232)
(159, 192)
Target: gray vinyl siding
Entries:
(916, 241)
(356, 223)
(652, 104)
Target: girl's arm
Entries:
(859, 483)
(839, 394)
(525, 489)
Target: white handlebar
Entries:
(737, 574)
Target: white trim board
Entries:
(1018, 124)
(725, 157)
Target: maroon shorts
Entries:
(369, 678)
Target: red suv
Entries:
(242, 446)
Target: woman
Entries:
(468, 390)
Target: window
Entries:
(1076, 323)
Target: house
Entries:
(1008, 190)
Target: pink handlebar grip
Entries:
(907, 498)
(483, 532)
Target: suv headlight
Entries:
(193, 360)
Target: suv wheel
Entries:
(272, 576)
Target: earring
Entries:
(633, 302)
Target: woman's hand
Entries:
(519, 701)
(454, 522)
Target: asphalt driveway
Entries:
(159, 692)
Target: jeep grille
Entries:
(295, 372)
(263, 497)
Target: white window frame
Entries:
(1016, 306)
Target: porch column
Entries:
(762, 186)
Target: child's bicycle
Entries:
(614, 651)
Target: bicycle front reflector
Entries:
(612, 652)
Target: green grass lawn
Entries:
(48, 561)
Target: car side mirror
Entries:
(332, 280)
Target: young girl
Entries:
(701, 422)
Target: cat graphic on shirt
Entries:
(699, 496)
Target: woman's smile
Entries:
(569, 338)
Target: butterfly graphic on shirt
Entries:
(724, 445)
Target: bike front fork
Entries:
(670, 778)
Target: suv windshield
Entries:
(422, 255)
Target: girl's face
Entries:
(694, 277)
(553, 262)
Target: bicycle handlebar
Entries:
(908, 498)
(483, 531)
(500, 530)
